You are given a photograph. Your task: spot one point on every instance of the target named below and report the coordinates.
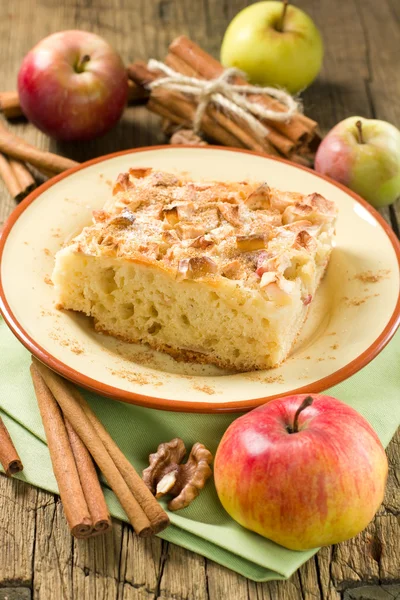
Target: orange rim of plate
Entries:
(177, 405)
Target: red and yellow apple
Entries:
(363, 154)
(302, 471)
(275, 45)
(73, 85)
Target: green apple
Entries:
(275, 45)
(363, 154)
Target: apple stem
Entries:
(306, 402)
(80, 67)
(360, 132)
(281, 22)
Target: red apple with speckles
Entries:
(302, 471)
(73, 85)
(363, 154)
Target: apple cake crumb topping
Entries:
(248, 232)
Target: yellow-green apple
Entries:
(303, 471)
(275, 45)
(363, 154)
(73, 85)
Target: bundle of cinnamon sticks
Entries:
(296, 139)
(9, 105)
(75, 436)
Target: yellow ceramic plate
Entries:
(355, 313)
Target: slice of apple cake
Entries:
(214, 272)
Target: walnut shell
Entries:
(166, 474)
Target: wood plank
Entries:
(339, 92)
(279, 590)
(183, 575)
(53, 552)
(309, 581)
(223, 583)
(380, 21)
(383, 79)
(385, 212)
(95, 565)
(15, 593)
(392, 495)
(323, 560)
(375, 592)
(395, 217)
(395, 11)
(359, 61)
(18, 506)
(140, 566)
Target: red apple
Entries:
(302, 471)
(73, 85)
(363, 154)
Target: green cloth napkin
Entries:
(204, 527)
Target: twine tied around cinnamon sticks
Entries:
(227, 96)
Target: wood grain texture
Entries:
(38, 558)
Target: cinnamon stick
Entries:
(179, 111)
(75, 414)
(214, 123)
(8, 455)
(279, 141)
(179, 65)
(241, 132)
(158, 517)
(19, 149)
(136, 93)
(160, 109)
(9, 177)
(9, 105)
(299, 128)
(90, 482)
(17, 179)
(64, 466)
(140, 74)
(23, 175)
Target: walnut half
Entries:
(166, 474)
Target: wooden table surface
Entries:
(38, 557)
